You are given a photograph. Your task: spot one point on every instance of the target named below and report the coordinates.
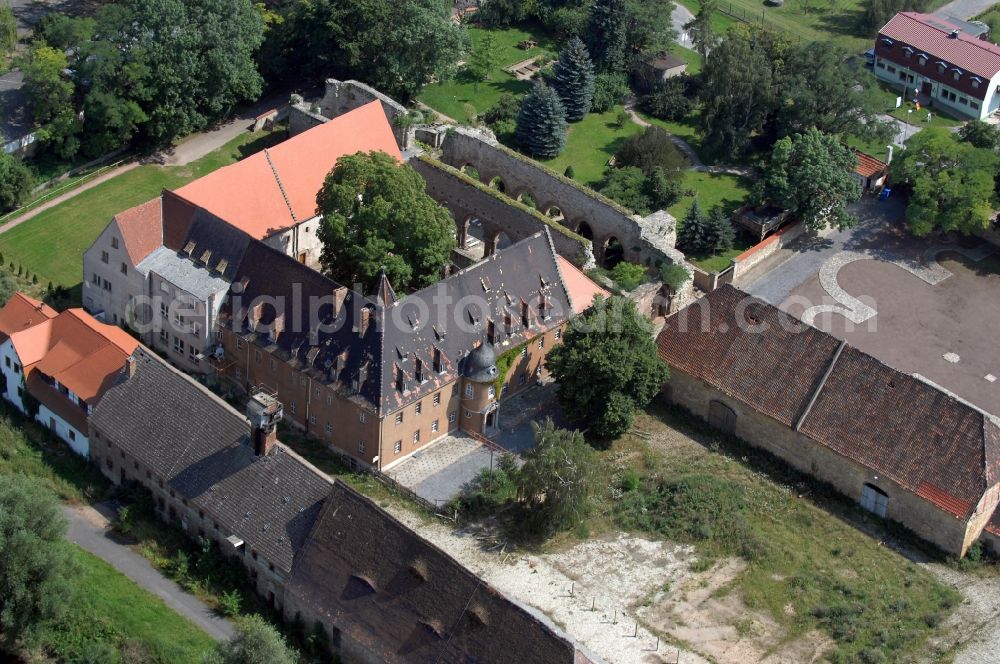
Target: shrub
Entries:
(650, 150)
(16, 182)
(628, 275)
(669, 101)
(674, 275)
(506, 108)
(569, 172)
(230, 603)
(609, 91)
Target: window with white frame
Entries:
(361, 447)
(416, 436)
(397, 447)
(469, 390)
(434, 426)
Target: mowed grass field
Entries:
(590, 143)
(454, 96)
(51, 244)
(110, 608)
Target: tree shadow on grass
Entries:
(264, 141)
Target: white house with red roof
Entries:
(55, 367)
(925, 54)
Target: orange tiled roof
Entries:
(141, 229)
(579, 286)
(274, 189)
(22, 312)
(75, 349)
(868, 165)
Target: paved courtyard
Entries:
(923, 307)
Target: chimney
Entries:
(264, 412)
(954, 34)
(888, 157)
(365, 318)
(130, 366)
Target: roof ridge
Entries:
(562, 280)
(281, 187)
(917, 17)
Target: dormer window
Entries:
(907, 51)
(941, 66)
(888, 42)
(438, 364)
(956, 74)
(491, 332)
(976, 82)
(419, 370)
(922, 59)
(524, 314)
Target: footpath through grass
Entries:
(51, 244)
(136, 626)
(590, 143)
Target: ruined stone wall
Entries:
(341, 97)
(468, 199)
(648, 241)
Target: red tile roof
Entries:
(22, 312)
(74, 348)
(273, 190)
(580, 288)
(900, 427)
(932, 35)
(141, 229)
(868, 165)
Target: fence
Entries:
(53, 193)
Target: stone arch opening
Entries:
(525, 198)
(498, 184)
(471, 171)
(553, 212)
(501, 241)
(583, 229)
(613, 252)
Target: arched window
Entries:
(721, 416)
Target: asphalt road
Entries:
(965, 9)
(88, 528)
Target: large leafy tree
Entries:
(607, 33)
(573, 79)
(607, 367)
(650, 29)
(737, 94)
(825, 92)
(812, 175)
(650, 149)
(952, 183)
(49, 91)
(484, 58)
(397, 47)
(557, 478)
(980, 134)
(377, 216)
(541, 123)
(35, 566)
(255, 642)
(15, 182)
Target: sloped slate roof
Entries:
(932, 35)
(406, 600)
(929, 442)
(198, 443)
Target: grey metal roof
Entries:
(183, 273)
(199, 444)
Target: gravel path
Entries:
(964, 9)
(89, 529)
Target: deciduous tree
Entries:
(484, 58)
(255, 642)
(607, 367)
(573, 79)
(952, 183)
(8, 30)
(556, 479)
(699, 28)
(35, 566)
(46, 85)
(980, 134)
(15, 182)
(651, 149)
(812, 176)
(377, 215)
(541, 123)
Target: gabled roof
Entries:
(927, 441)
(75, 349)
(367, 358)
(141, 229)
(869, 165)
(274, 189)
(22, 312)
(404, 599)
(933, 35)
(198, 443)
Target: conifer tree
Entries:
(692, 238)
(607, 32)
(719, 233)
(541, 124)
(573, 79)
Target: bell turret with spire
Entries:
(383, 292)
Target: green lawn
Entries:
(451, 97)
(692, 58)
(711, 189)
(108, 607)
(720, 22)
(887, 95)
(590, 144)
(51, 245)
